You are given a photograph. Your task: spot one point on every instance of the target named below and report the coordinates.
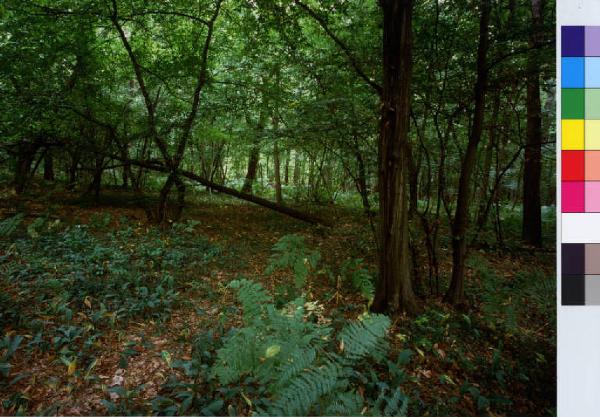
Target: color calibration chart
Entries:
(580, 161)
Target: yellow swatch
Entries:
(572, 134)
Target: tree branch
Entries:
(351, 58)
(187, 124)
(162, 146)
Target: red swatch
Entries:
(573, 165)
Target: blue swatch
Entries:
(573, 72)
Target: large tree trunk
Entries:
(394, 289)
(532, 210)
(456, 292)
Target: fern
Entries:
(291, 253)
(360, 278)
(306, 389)
(283, 351)
(395, 405)
(344, 404)
(10, 225)
(251, 295)
(365, 338)
(296, 363)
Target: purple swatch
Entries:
(573, 40)
(592, 41)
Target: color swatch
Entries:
(580, 163)
(580, 119)
(580, 274)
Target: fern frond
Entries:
(252, 296)
(296, 363)
(365, 338)
(395, 405)
(305, 390)
(345, 404)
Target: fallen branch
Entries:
(297, 214)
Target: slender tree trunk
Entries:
(394, 288)
(97, 179)
(72, 170)
(48, 166)
(288, 156)
(482, 212)
(277, 164)
(455, 294)
(296, 168)
(532, 210)
(361, 182)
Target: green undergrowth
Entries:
(282, 361)
(487, 356)
(289, 351)
(63, 287)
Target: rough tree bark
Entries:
(532, 209)
(455, 294)
(394, 288)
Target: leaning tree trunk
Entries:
(532, 208)
(455, 294)
(394, 289)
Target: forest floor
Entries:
(496, 358)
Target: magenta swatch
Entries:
(573, 197)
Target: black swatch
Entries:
(573, 290)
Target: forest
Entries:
(277, 207)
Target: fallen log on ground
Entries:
(297, 214)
